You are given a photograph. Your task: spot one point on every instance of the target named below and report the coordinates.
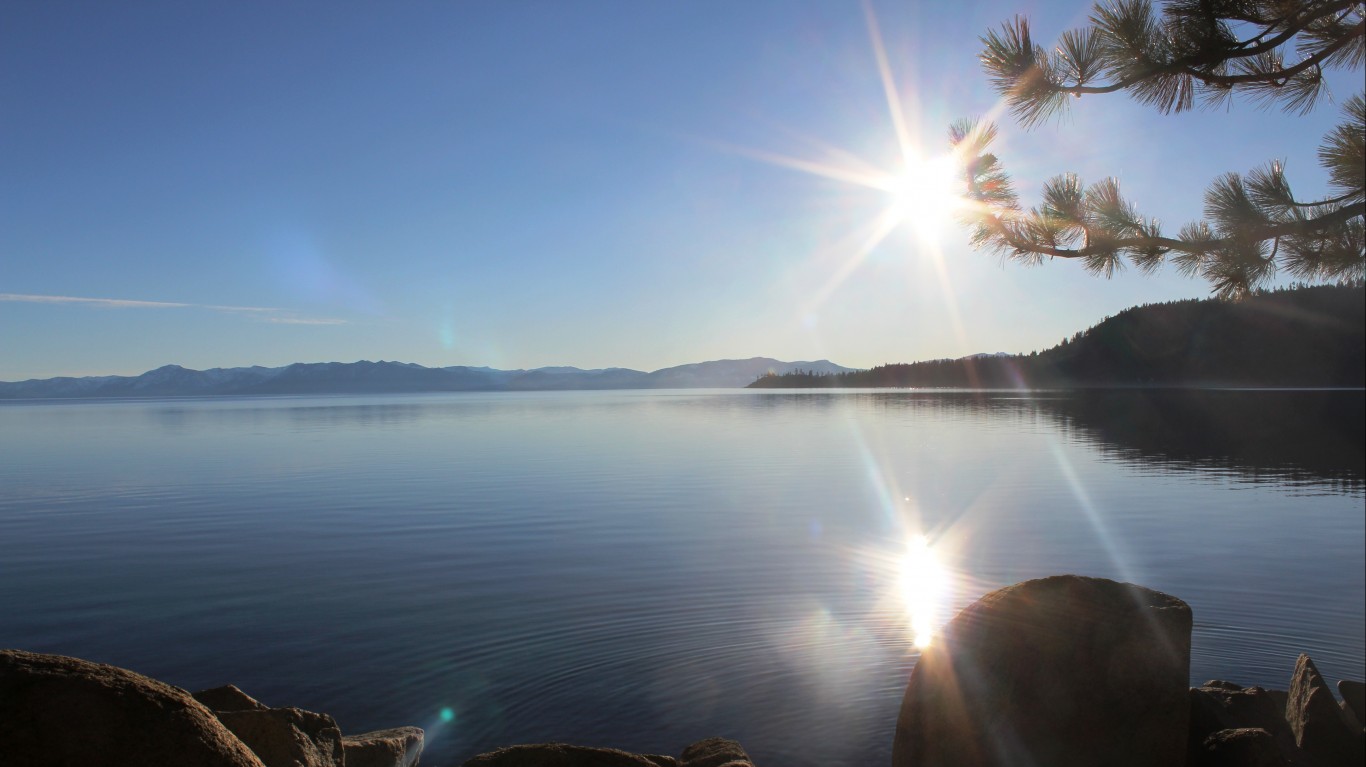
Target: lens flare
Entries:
(924, 589)
(925, 195)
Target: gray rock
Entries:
(287, 737)
(398, 747)
(1354, 699)
(1316, 720)
(1222, 685)
(227, 698)
(1242, 747)
(57, 711)
(558, 755)
(1230, 707)
(715, 752)
(1060, 671)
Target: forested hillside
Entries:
(1307, 336)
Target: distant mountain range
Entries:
(401, 377)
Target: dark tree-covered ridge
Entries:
(1193, 52)
(1302, 337)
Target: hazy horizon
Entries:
(409, 362)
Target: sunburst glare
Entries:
(925, 194)
(924, 188)
(924, 584)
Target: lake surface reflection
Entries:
(644, 569)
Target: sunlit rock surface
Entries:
(287, 737)
(1321, 728)
(227, 698)
(397, 747)
(1059, 671)
(63, 712)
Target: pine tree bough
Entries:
(1196, 49)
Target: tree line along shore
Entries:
(1291, 337)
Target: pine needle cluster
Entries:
(1195, 52)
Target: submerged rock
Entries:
(397, 747)
(1062, 671)
(62, 711)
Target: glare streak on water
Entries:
(644, 569)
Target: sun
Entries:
(925, 194)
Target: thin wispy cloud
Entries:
(266, 313)
(305, 320)
(106, 303)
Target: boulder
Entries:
(559, 755)
(287, 737)
(227, 698)
(1218, 684)
(1320, 728)
(1354, 699)
(1062, 671)
(1226, 706)
(715, 752)
(398, 747)
(1241, 747)
(61, 711)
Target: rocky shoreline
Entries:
(1062, 671)
(1070, 671)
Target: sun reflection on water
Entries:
(924, 584)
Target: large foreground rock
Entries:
(398, 747)
(1062, 671)
(58, 712)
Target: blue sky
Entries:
(519, 184)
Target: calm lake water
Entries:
(643, 569)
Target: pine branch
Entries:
(1010, 236)
(1164, 67)
(1253, 226)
